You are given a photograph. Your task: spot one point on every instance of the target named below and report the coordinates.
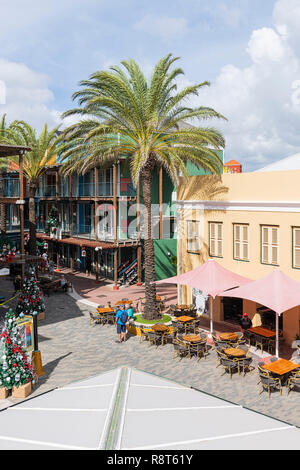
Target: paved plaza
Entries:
(73, 350)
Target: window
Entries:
(193, 238)
(216, 239)
(296, 247)
(269, 244)
(241, 242)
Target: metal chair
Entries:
(268, 383)
(245, 365)
(180, 349)
(154, 338)
(293, 381)
(198, 349)
(230, 365)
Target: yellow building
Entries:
(249, 223)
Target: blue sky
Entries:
(239, 45)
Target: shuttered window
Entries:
(193, 236)
(270, 245)
(296, 247)
(215, 239)
(241, 242)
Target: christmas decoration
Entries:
(15, 368)
(53, 222)
(30, 299)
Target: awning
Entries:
(128, 409)
(78, 242)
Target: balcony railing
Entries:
(46, 191)
(11, 188)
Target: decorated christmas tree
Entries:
(30, 299)
(15, 369)
(52, 222)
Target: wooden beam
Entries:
(160, 203)
(21, 179)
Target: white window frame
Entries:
(193, 236)
(269, 244)
(241, 243)
(215, 241)
(295, 247)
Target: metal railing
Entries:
(11, 187)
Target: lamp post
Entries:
(36, 354)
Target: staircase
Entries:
(128, 274)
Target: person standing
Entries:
(129, 309)
(121, 322)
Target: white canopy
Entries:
(130, 409)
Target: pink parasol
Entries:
(210, 278)
(276, 290)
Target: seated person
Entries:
(245, 322)
(63, 283)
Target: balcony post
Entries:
(139, 248)
(22, 214)
(116, 287)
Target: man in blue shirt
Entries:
(121, 322)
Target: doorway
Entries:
(233, 309)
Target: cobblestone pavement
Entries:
(73, 350)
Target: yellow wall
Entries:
(273, 187)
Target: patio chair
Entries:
(95, 318)
(198, 349)
(153, 338)
(293, 381)
(143, 334)
(230, 365)
(110, 319)
(261, 343)
(169, 336)
(180, 349)
(219, 355)
(244, 365)
(271, 346)
(269, 383)
(249, 337)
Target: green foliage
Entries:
(139, 319)
(53, 221)
(125, 114)
(15, 369)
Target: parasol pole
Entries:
(277, 335)
(211, 314)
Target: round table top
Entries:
(228, 336)
(123, 302)
(182, 307)
(185, 318)
(192, 338)
(105, 310)
(235, 352)
(160, 328)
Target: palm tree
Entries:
(35, 162)
(125, 114)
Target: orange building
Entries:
(232, 167)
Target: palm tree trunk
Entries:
(151, 310)
(32, 218)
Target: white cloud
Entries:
(27, 96)
(262, 101)
(165, 27)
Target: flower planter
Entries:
(41, 316)
(21, 392)
(3, 393)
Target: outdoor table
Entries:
(185, 319)
(235, 352)
(192, 338)
(105, 310)
(182, 307)
(228, 336)
(160, 328)
(281, 367)
(123, 302)
(259, 330)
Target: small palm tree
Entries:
(36, 162)
(125, 114)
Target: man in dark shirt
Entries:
(245, 322)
